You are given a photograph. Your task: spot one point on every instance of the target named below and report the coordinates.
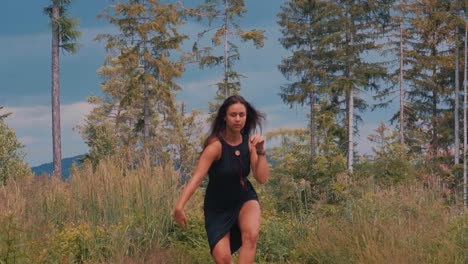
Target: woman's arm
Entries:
(210, 153)
(258, 160)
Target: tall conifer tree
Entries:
(308, 28)
(139, 110)
(64, 35)
(223, 22)
(431, 71)
(363, 23)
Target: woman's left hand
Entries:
(258, 141)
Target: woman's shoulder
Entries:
(213, 141)
(213, 148)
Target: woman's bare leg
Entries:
(249, 223)
(222, 251)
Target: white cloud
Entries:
(28, 117)
(26, 140)
(74, 114)
(39, 117)
(32, 125)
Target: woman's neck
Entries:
(232, 138)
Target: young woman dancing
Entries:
(231, 207)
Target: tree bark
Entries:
(146, 106)
(350, 113)
(312, 124)
(456, 150)
(465, 179)
(402, 103)
(56, 133)
(226, 50)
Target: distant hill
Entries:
(47, 168)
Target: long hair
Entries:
(254, 119)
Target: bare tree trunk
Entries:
(350, 130)
(146, 112)
(456, 150)
(146, 106)
(226, 49)
(435, 123)
(402, 103)
(351, 116)
(312, 124)
(465, 180)
(56, 133)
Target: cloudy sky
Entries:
(25, 75)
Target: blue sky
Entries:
(25, 75)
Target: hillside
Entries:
(47, 168)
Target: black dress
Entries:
(228, 189)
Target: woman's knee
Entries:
(222, 251)
(222, 257)
(250, 237)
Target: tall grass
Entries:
(404, 224)
(102, 215)
(115, 215)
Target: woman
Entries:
(232, 211)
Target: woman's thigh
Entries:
(222, 250)
(249, 218)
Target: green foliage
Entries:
(407, 224)
(392, 163)
(67, 33)
(458, 235)
(192, 241)
(223, 30)
(430, 34)
(139, 114)
(11, 155)
(298, 178)
(101, 140)
(73, 244)
(278, 237)
(328, 41)
(12, 246)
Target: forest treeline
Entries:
(325, 203)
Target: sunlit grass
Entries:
(405, 224)
(115, 215)
(101, 215)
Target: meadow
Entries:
(112, 214)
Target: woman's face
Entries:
(236, 115)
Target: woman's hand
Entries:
(258, 141)
(258, 161)
(180, 218)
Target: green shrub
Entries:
(12, 241)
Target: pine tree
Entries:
(307, 28)
(148, 35)
(431, 70)
(223, 20)
(139, 113)
(397, 35)
(336, 36)
(64, 35)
